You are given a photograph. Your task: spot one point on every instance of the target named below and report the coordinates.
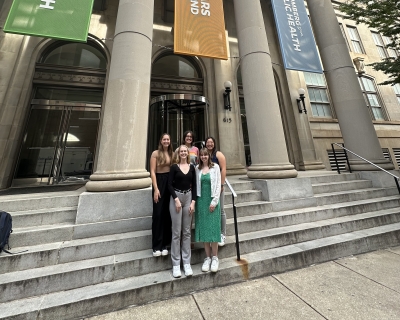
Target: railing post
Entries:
(347, 158)
(334, 155)
(397, 184)
(236, 228)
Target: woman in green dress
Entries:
(207, 213)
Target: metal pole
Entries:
(334, 154)
(397, 184)
(347, 158)
(236, 229)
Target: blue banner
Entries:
(296, 39)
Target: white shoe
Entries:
(222, 243)
(214, 264)
(156, 253)
(188, 270)
(206, 265)
(164, 252)
(176, 271)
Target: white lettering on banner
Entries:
(47, 4)
(194, 7)
(294, 23)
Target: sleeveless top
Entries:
(214, 158)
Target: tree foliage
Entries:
(384, 17)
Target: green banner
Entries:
(59, 19)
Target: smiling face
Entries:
(165, 141)
(183, 152)
(210, 144)
(204, 157)
(189, 139)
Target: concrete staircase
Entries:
(64, 277)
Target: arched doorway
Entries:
(60, 136)
(177, 103)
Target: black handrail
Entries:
(396, 178)
(234, 195)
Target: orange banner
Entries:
(199, 28)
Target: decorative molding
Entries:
(176, 86)
(80, 79)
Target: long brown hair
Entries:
(161, 159)
(177, 158)
(210, 164)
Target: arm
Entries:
(171, 178)
(194, 189)
(215, 200)
(153, 168)
(222, 165)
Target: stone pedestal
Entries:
(121, 158)
(355, 122)
(267, 142)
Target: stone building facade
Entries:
(72, 111)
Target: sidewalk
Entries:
(363, 287)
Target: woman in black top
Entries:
(182, 186)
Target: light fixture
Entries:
(360, 65)
(227, 99)
(301, 99)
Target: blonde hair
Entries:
(177, 157)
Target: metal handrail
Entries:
(234, 195)
(396, 178)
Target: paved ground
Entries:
(359, 287)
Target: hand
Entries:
(178, 205)
(222, 188)
(157, 196)
(212, 208)
(191, 208)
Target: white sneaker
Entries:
(156, 253)
(222, 243)
(214, 264)
(188, 270)
(206, 265)
(164, 252)
(176, 271)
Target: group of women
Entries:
(188, 182)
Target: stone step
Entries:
(292, 217)
(334, 177)
(341, 186)
(241, 185)
(118, 294)
(347, 196)
(18, 203)
(23, 219)
(244, 196)
(23, 284)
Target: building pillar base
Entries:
(104, 182)
(360, 165)
(271, 172)
(311, 165)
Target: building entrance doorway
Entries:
(59, 143)
(175, 114)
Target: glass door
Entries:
(175, 114)
(58, 145)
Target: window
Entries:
(391, 52)
(318, 95)
(379, 44)
(174, 65)
(344, 35)
(371, 98)
(76, 55)
(396, 89)
(355, 39)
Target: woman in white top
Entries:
(208, 216)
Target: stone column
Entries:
(267, 142)
(355, 123)
(121, 157)
(229, 130)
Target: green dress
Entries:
(208, 224)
